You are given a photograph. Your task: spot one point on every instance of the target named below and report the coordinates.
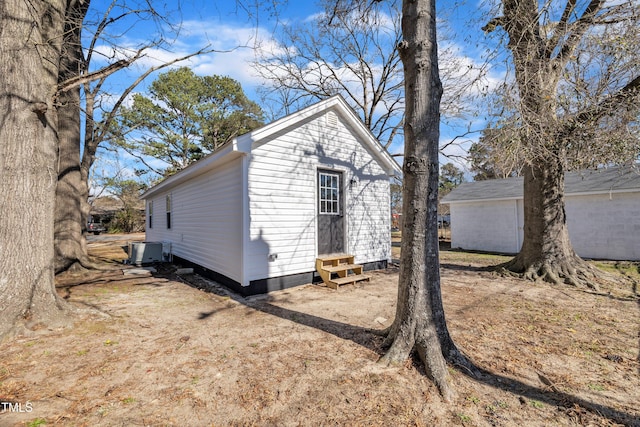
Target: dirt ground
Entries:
(159, 351)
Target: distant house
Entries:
(602, 207)
(106, 209)
(103, 209)
(256, 213)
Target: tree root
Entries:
(38, 319)
(452, 354)
(89, 264)
(401, 343)
(456, 358)
(382, 333)
(81, 264)
(573, 271)
(435, 371)
(398, 355)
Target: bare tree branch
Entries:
(627, 96)
(350, 50)
(573, 33)
(111, 115)
(99, 74)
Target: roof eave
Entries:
(227, 152)
(243, 144)
(579, 193)
(392, 168)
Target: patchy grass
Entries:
(162, 352)
(473, 258)
(626, 268)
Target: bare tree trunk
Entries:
(70, 244)
(416, 325)
(546, 251)
(30, 44)
(76, 159)
(91, 142)
(72, 190)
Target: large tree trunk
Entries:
(72, 190)
(70, 246)
(546, 251)
(415, 325)
(71, 211)
(30, 44)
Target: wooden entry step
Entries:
(339, 269)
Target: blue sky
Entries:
(233, 33)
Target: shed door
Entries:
(330, 212)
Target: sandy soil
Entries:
(161, 352)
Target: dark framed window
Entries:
(150, 209)
(168, 210)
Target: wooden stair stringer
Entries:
(342, 266)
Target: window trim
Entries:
(329, 194)
(169, 204)
(150, 211)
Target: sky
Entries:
(234, 33)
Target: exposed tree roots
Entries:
(456, 358)
(79, 264)
(40, 314)
(451, 352)
(572, 271)
(402, 343)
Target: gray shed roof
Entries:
(613, 179)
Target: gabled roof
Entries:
(244, 143)
(601, 181)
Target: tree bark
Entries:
(76, 157)
(30, 44)
(546, 251)
(72, 192)
(416, 323)
(70, 244)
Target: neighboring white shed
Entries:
(602, 207)
(257, 212)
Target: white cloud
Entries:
(238, 45)
(234, 49)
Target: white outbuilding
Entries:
(257, 213)
(602, 208)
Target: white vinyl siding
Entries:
(283, 198)
(488, 226)
(369, 221)
(206, 220)
(249, 210)
(603, 226)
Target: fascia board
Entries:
(224, 154)
(500, 199)
(496, 199)
(391, 167)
